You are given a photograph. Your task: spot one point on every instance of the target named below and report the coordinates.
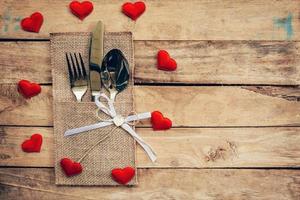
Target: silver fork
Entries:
(77, 75)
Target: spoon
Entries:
(115, 72)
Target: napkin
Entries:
(118, 150)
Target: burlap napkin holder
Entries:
(118, 150)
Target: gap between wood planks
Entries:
(176, 127)
(204, 85)
(160, 184)
(292, 168)
(188, 20)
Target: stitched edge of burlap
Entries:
(119, 149)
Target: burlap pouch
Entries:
(118, 150)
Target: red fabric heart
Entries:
(81, 10)
(70, 167)
(33, 144)
(28, 89)
(123, 176)
(159, 122)
(165, 62)
(32, 23)
(134, 10)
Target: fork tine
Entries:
(78, 67)
(71, 77)
(82, 65)
(74, 68)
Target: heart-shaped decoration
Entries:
(32, 23)
(159, 122)
(165, 62)
(28, 89)
(134, 10)
(33, 144)
(70, 167)
(123, 176)
(81, 10)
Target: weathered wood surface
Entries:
(221, 62)
(164, 20)
(178, 148)
(15, 110)
(245, 47)
(25, 60)
(187, 106)
(229, 184)
(199, 62)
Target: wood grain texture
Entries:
(178, 148)
(164, 20)
(221, 62)
(214, 42)
(16, 110)
(290, 93)
(25, 60)
(199, 62)
(187, 106)
(218, 106)
(11, 153)
(231, 184)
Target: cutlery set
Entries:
(99, 131)
(112, 72)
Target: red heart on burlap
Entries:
(32, 23)
(70, 167)
(134, 10)
(81, 10)
(159, 122)
(33, 144)
(28, 89)
(123, 176)
(165, 62)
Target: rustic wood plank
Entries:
(11, 153)
(221, 62)
(186, 106)
(25, 60)
(222, 147)
(178, 148)
(165, 20)
(14, 109)
(199, 62)
(219, 106)
(159, 184)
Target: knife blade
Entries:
(96, 55)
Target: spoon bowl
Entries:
(115, 72)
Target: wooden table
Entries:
(234, 99)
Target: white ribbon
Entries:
(117, 120)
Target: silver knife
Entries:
(96, 55)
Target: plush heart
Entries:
(165, 62)
(33, 144)
(28, 89)
(70, 167)
(159, 122)
(134, 10)
(32, 23)
(81, 10)
(123, 176)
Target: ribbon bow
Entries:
(118, 121)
